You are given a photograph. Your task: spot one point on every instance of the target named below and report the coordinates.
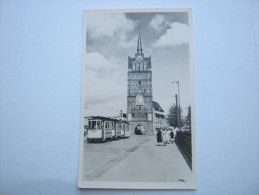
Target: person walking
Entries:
(164, 136)
(172, 136)
(167, 136)
(159, 137)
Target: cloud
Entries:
(158, 23)
(108, 24)
(105, 85)
(124, 42)
(95, 60)
(103, 96)
(177, 34)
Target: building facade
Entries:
(158, 116)
(139, 97)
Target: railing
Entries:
(184, 143)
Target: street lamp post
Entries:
(179, 107)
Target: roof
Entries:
(157, 107)
(106, 119)
(102, 118)
(159, 115)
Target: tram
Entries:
(117, 129)
(125, 132)
(100, 129)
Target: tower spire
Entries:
(139, 49)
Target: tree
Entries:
(188, 119)
(172, 116)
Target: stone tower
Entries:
(139, 101)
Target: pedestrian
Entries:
(172, 136)
(167, 136)
(164, 136)
(159, 137)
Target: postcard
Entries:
(137, 100)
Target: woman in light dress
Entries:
(167, 136)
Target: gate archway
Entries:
(140, 130)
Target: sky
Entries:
(112, 37)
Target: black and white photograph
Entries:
(137, 100)
(131, 97)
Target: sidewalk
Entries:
(151, 163)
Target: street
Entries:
(137, 158)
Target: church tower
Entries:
(140, 99)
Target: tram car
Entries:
(117, 129)
(125, 132)
(99, 129)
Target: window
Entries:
(98, 126)
(90, 124)
(139, 82)
(133, 114)
(106, 125)
(93, 125)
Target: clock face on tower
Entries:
(139, 58)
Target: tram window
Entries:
(98, 124)
(90, 124)
(106, 125)
(94, 125)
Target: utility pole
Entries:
(177, 112)
(178, 106)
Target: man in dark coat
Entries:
(172, 136)
(159, 136)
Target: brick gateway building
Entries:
(140, 111)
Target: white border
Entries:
(136, 185)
